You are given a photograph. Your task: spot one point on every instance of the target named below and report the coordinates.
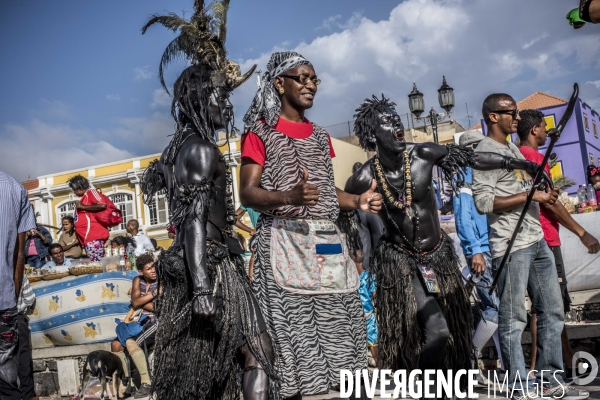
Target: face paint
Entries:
(389, 131)
(220, 108)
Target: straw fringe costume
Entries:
(196, 357)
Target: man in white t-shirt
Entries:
(142, 242)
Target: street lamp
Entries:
(417, 106)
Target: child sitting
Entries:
(133, 335)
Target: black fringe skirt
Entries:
(399, 334)
(195, 358)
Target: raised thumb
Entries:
(305, 177)
(373, 185)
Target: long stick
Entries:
(554, 136)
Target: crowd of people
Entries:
(334, 272)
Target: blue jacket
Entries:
(472, 228)
(41, 247)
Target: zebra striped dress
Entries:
(316, 335)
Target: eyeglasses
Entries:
(514, 113)
(303, 79)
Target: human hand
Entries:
(205, 307)
(478, 264)
(34, 232)
(590, 242)
(252, 232)
(370, 201)
(544, 197)
(304, 193)
(79, 206)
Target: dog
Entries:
(103, 364)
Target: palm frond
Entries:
(219, 11)
(171, 21)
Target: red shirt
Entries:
(87, 228)
(549, 223)
(254, 148)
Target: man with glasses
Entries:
(501, 195)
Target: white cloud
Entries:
(160, 98)
(113, 97)
(57, 148)
(140, 73)
(595, 83)
(422, 40)
(535, 40)
(329, 23)
(62, 147)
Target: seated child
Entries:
(144, 290)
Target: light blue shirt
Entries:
(471, 227)
(16, 216)
(51, 266)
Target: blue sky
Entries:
(80, 84)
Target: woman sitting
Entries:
(68, 240)
(133, 335)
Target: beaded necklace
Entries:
(228, 192)
(404, 199)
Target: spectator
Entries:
(36, 246)
(142, 242)
(68, 240)
(144, 290)
(25, 362)
(155, 244)
(16, 219)
(472, 229)
(501, 194)
(58, 262)
(593, 176)
(253, 219)
(91, 234)
(532, 133)
(172, 232)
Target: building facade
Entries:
(52, 198)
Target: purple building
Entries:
(578, 146)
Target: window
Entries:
(591, 159)
(124, 202)
(585, 122)
(64, 210)
(159, 210)
(595, 129)
(550, 121)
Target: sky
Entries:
(80, 86)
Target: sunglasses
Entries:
(513, 113)
(303, 79)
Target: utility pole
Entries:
(468, 116)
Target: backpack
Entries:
(111, 216)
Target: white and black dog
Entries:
(103, 364)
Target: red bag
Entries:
(111, 216)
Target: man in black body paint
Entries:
(417, 328)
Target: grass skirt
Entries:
(196, 358)
(399, 334)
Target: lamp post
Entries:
(417, 106)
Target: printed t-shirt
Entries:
(32, 250)
(86, 226)
(254, 148)
(549, 223)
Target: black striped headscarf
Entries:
(266, 103)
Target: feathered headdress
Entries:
(201, 41)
